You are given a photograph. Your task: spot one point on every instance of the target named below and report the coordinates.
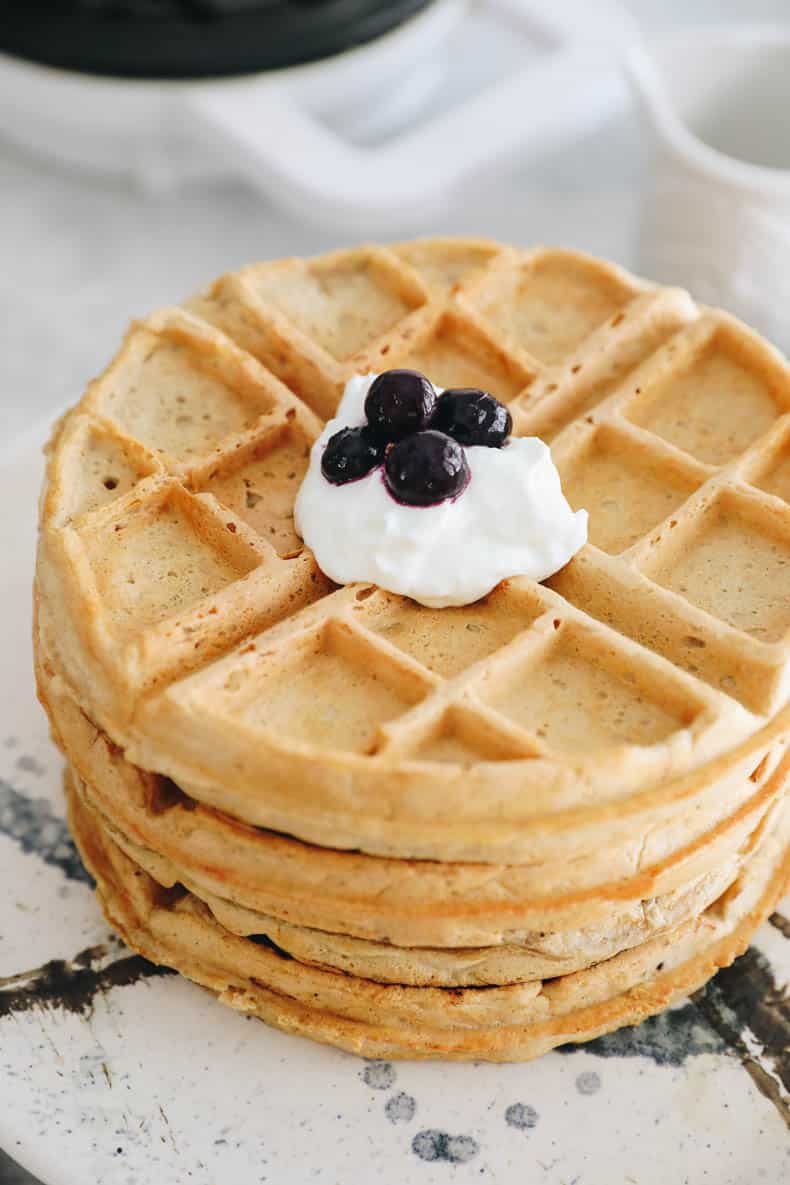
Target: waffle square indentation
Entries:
(713, 407)
(343, 304)
(576, 696)
(626, 489)
(260, 484)
(319, 692)
(96, 468)
(163, 558)
(732, 564)
(454, 354)
(163, 396)
(548, 305)
(447, 641)
(445, 263)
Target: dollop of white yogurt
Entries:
(512, 519)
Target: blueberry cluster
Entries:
(418, 437)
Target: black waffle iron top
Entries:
(191, 38)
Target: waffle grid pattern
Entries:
(225, 479)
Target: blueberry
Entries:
(350, 454)
(471, 416)
(398, 403)
(425, 469)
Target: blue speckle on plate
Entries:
(32, 824)
(378, 1075)
(400, 1108)
(589, 1082)
(521, 1115)
(668, 1039)
(438, 1145)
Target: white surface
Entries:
(159, 1084)
(449, 554)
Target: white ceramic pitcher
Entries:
(717, 209)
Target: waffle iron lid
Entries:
(192, 38)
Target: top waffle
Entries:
(644, 686)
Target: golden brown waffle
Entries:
(379, 1020)
(556, 781)
(532, 955)
(566, 915)
(483, 733)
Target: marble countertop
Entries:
(81, 255)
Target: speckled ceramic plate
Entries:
(114, 1073)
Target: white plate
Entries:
(155, 1083)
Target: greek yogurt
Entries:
(512, 519)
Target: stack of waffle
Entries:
(463, 833)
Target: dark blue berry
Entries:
(426, 468)
(471, 416)
(350, 454)
(399, 403)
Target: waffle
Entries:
(542, 784)
(377, 1020)
(395, 902)
(356, 914)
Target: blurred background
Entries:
(495, 117)
(83, 250)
